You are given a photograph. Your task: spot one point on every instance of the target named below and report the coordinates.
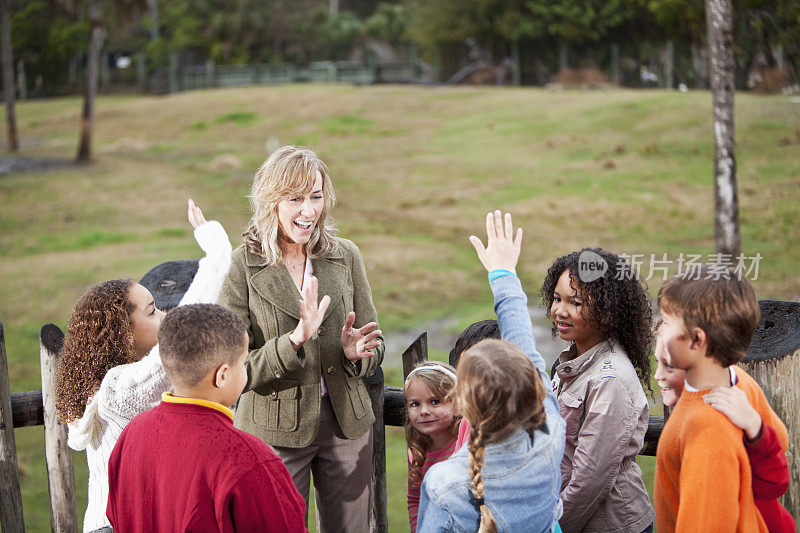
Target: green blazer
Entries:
(281, 402)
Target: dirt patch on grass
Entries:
(10, 165)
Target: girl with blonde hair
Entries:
(305, 396)
(431, 425)
(508, 476)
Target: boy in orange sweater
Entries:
(703, 477)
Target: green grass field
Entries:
(415, 170)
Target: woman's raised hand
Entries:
(311, 314)
(357, 342)
(195, 215)
(503, 247)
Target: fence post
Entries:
(105, 75)
(60, 475)
(141, 73)
(516, 69)
(416, 353)
(773, 360)
(563, 55)
(173, 72)
(615, 64)
(209, 73)
(378, 516)
(10, 495)
(669, 65)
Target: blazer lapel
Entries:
(332, 277)
(274, 284)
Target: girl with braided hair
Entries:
(507, 477)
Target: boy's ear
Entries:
(221, 375)
(698, 339)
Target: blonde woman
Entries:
(304, 395)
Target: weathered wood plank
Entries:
(416, 353)
(60, 475)
(10, 495)
(378, 516)
(27, 409)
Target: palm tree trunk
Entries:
(90, 90)
(719, 19)
(7, 65)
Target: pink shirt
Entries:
(431, 458)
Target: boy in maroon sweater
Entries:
(182, 466)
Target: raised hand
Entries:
(357, 342)
(732, 402)
(503, 247)
(195, 215)
(311, 314)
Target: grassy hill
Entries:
(415, 170)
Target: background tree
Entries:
(7, 62)
(719, 17)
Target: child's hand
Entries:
(732, 402)
(195, 215)
(358, 342)
(311, 314)
(502, 249)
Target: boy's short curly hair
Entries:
(617, 303)
(720, 302)
(196, 339)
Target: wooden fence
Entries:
(773, 360)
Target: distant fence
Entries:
(175, 78)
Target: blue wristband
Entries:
(499, 273)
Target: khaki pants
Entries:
(342, 472)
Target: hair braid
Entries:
(476, 448)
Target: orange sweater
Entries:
(703, 479)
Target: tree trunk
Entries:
(95, 45)
(719, 17)
(7, 61)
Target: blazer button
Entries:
(567, 369)
(278, 375)
(330, 370)
(321, 330)
(371, 373)
(273, 394)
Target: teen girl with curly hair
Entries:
(598, 381)
(507, 477)
(431, 425)
(110, 369)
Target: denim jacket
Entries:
(521, 475)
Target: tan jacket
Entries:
(606, 411)
(281, 403)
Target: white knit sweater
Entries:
(128, 390)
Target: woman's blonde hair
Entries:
(499, 391)
(442, 386)
(287, 172)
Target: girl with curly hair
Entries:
(110, 368)
(507, 476)
(431, 425)
(598, 380)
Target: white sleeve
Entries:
(130, 389)
(207, 283)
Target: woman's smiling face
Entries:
(298, 214)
